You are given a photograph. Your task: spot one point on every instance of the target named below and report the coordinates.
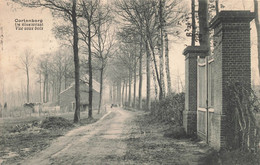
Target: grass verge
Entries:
(154, 142)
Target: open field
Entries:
(22, 137)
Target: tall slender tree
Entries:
(26, 60)
(94, 17)
(167, 64)
(140, 71)
(104, 45)
(161, 46)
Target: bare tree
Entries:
(103, 46)
(155, 20)
(43, 69)
(139, 15)
(140, 71)
(127, 57)
(26, 61)
(170, 14)
(118, 73)
(167, 64)
(88, 30)
(161, 45)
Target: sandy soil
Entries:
(120, 137)
(91, 144)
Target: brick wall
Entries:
(232, 64)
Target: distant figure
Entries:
(5, 106)
(1, 113)
(112, 105)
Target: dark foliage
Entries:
(177, 132)
(169, 109)
(243, 107)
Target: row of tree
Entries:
(145, 27)
(143, 32)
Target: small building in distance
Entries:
(67, 97)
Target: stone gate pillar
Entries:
(190, 113)
(232, 64)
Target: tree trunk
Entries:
(101, 90)
(122, 99)
(118, 100)
(203, 23)
(148, 72)
(155, 64)
(102, 64)
(217, 6)
(90, 73)
(134, 99)
(162, 90)
(76, 62)
(140, 73)
(44, 89)
(47, 88)
(40, 87)
(257, 31)
(126, 103)
(157, 74)
(65, 80)
(53, 91)
(193, 23)
(111, 93)
(59, 87)
(167, 64)
(130, 88)
(28, 85)
(155, 83)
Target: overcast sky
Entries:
(43, 41)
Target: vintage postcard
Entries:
(129, 82)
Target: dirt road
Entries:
(91, 144)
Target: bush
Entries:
(56, 123)
(170, 108)
(176, 132)
(243, 105)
